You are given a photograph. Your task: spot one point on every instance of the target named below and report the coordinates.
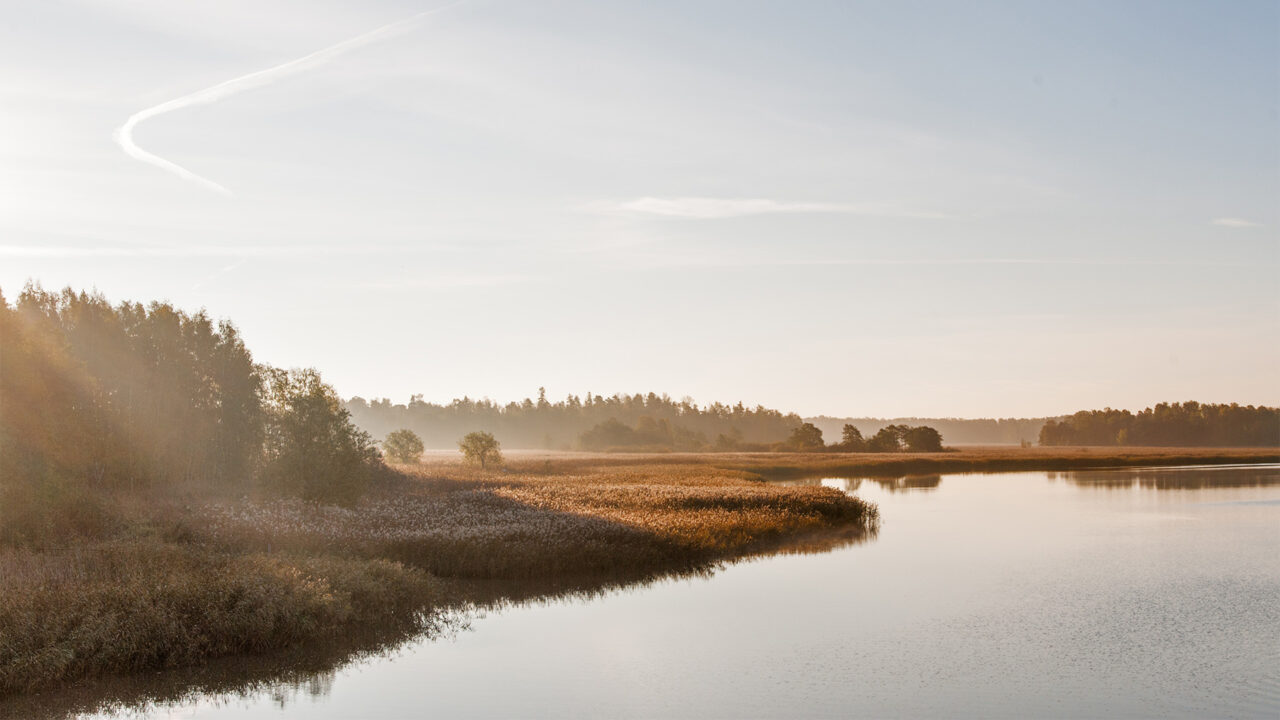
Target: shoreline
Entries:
(1014, 459)
(173, 581)
(440, 539)
(966, 459)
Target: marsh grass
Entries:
(93, 584)
(985, 459)
(129, 605)
(166, 581)
(521, 526)
(288, 675)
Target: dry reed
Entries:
(175, 581)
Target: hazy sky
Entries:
(886, 208)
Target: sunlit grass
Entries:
(177, 579)
(979, 459)
(107, 583)
(457, 522)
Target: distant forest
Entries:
(956, 431)
(1176, 424)
(591, 422)
(657, 422)
(651, 421)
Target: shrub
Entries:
(922, 439)
(403, 446)
(312, 449)
(480, 447)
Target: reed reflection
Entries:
(1184, 478)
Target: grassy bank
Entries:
(129, 605)
(998, 458)
(180, 578)
(98, 584)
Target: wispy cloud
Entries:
(715, 208)
(730, 261)
(202, 251)
(124, 135)
(440, 282)
(1236, 223)
(135, 251)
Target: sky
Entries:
(844, 208)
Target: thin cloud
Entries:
(660, 262)
(133, 251)
(709, 208)
(1236, 223)
(124, 135)
(208, 251)
(441, 282)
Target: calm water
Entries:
(1119, 593)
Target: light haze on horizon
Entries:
(851, 209)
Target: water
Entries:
(1115, 593)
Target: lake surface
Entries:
(1112, 593)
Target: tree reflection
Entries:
(1185, 478)
(908, 483)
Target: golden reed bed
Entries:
(179, 579)
(131, 584)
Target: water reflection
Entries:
(909, 483)
(286, 676)
(1174, 478)
(901, 483)
(1155, 603)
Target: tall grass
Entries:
(524, 525)
(165, 581)
(131, 605)
(99, 583)
(986, 459)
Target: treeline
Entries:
(964, 431)
(591, 422)
(131, 397)
(805, 437)
(1186, 424)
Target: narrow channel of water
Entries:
(1150, 592)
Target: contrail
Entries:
(124, 135)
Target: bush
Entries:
(922, 439)
(403, 446)
(312, 449)
(896, 438)
(480, 447)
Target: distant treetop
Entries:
(590, 422)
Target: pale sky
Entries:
(890, 208)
